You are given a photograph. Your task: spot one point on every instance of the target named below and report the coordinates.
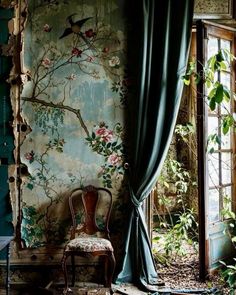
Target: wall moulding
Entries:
(214, 9)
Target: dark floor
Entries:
(80, 289)
(56, 290)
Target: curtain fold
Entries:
(161, 39)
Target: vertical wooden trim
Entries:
(233, 85)
(234, 8)
(201, 153)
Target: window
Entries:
(220, 155)
(216, 151)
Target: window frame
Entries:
(204, 28)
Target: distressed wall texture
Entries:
(72, 103)
(213, 6)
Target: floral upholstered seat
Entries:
(89, 244)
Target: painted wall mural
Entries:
(213, 9)
(73, 101)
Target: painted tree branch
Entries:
(59, 106)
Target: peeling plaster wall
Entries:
(72, 104)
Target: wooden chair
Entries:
(92, 240)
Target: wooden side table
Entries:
(5, 242)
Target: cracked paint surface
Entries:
(71, 104)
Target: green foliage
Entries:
(176, 237)
(174, 173)
(48, 119)
(35, 228)
(213, 141)
(229, 271)
(229, 275)
(31, 227)
(183, 131)
(122, 88)
(218, 93)
(181, 227)
(191, 71)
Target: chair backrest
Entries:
(85, 204)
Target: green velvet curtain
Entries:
(158, 52)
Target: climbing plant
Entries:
(216, 91)
(177, 224)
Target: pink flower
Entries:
(77, 52)
(29, 156)
(114, 61)
(90, 58)
(47, 28)
(105, 50)
(90, 33)
(105, 134)
(46, 62)
(114, 159)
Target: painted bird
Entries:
(75, 27)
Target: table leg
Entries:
(8, 271)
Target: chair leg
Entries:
(106, 270)
(64, 269)
(73, 269)
(109, 275)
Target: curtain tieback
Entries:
(134, 200)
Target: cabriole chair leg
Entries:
(64, 269)
(111, 269)
(73, 270)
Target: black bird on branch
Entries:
(75, 27)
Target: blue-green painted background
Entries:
(73, 101)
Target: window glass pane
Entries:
(227, 199)
(212, 125)
(212, 132)
(212, 46)
(213, 170)
(226, 141)
(225, 108)
(225, 44)
(228, 191)
(225, 79)
(226, 167)
(214, 205)
(214, 112)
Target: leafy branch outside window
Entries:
(217, 92)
